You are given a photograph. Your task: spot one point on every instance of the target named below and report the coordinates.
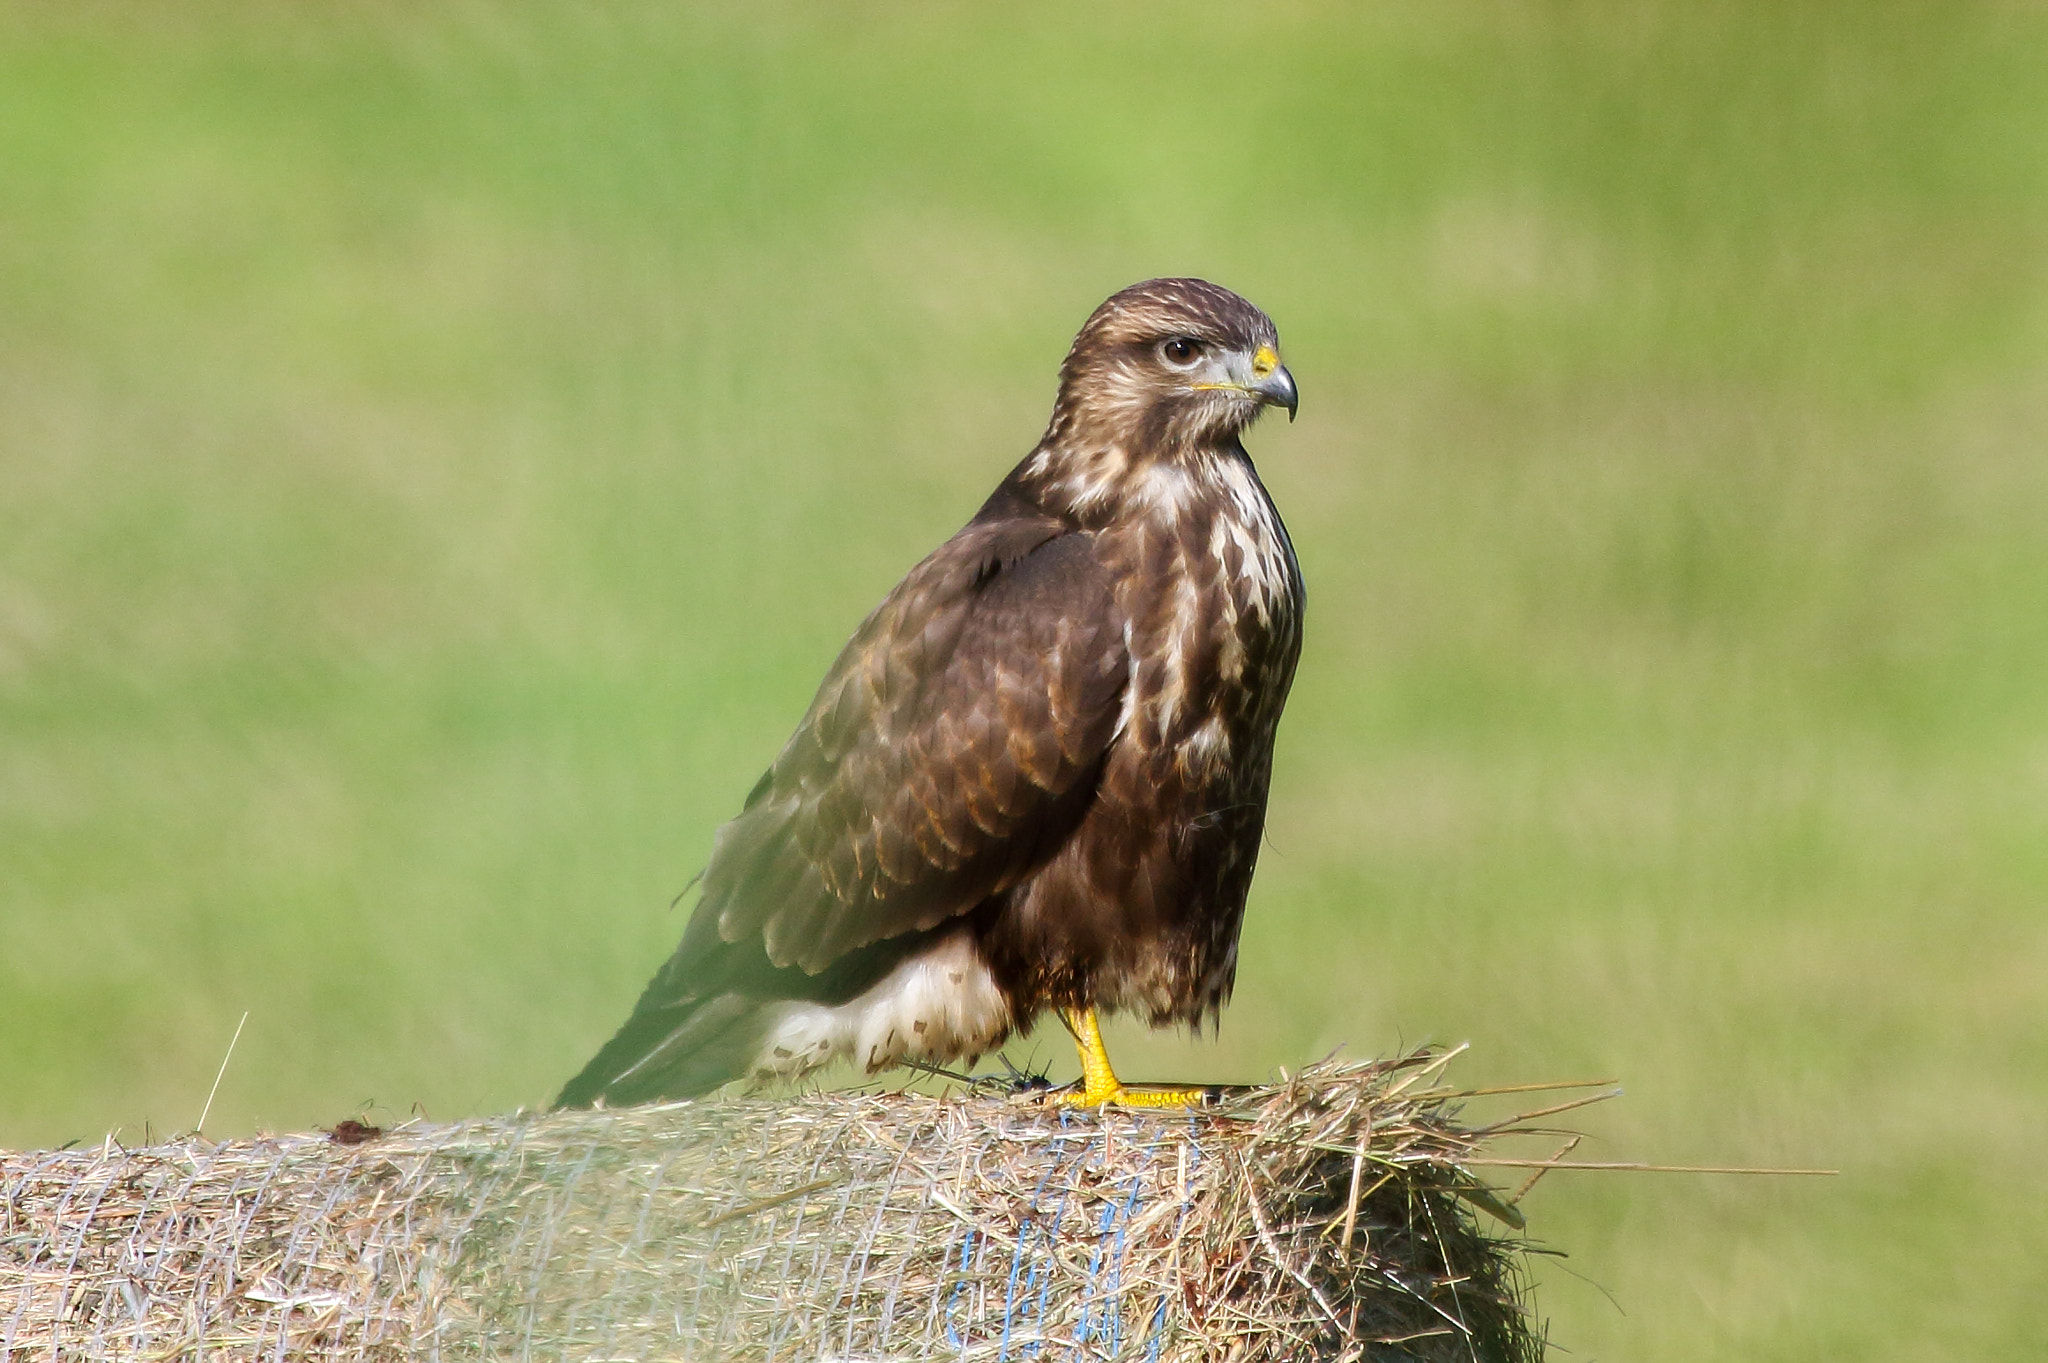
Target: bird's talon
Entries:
(1139, 1095)
(1099, 1086)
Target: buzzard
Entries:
(1036, 776)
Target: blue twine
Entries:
(1158, 1333)
(1081, 1325)
(1024, 1236)
(953, 1335)
(1040, 1273)
(1136, 1178)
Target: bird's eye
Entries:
(1181, 350)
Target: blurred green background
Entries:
(440, 449)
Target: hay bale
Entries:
(1327, 1217)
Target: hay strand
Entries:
(1329, 1216)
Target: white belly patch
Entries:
(937, 1006)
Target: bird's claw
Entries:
(1131, 1095)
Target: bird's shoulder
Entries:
(941, 753)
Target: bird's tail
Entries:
(679, 1050)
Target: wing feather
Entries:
(942, 757)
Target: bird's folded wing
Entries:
(951, 748)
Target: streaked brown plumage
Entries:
(1036, 776)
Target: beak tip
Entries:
(1279, 391)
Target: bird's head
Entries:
(1171, 364)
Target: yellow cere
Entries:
(1264, 360)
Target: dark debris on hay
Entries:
(1332, 1216)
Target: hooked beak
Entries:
(1265, 378)
(1277, 389)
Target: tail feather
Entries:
(702, 1020)
(678, 1051)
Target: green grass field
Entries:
(440, 452)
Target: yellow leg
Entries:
(1099, 1084)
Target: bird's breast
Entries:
(1212, 596)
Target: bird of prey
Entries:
(1036, 776)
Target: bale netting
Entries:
(1332, 1216)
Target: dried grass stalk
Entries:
(1327, 1217)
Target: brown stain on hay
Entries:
(353, 1132)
